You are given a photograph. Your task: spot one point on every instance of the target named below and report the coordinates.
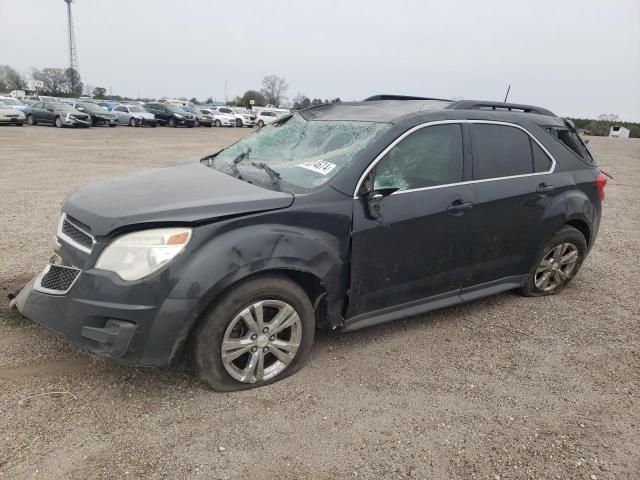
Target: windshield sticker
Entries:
(318, 166)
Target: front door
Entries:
(419, 247)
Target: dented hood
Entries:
(187, 192)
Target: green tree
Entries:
(99, 92)
(73, 83)
(257, 97)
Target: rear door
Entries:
(515, 192)
(418, 249)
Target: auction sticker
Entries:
(318, 166)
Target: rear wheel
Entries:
(557, 264)
(258, 333)
(113, 125)
(58, 122)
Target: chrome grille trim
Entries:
(70, 241)
(37, 283)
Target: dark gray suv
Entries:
(339, 216)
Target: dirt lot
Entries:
(503, 388)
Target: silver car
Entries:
(135, 116)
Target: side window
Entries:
(572, 142)
(500, 151)
(428, 157)
(120, 109)
(541, 162)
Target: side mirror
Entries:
(374, 201)
(81, 109)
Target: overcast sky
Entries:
(576, 57)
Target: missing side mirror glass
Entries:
(374, 201)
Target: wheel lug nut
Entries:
(265, 349)
(272, 338)
(254, 336)
(265, 329)
(254, 349)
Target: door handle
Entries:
(544, 188)
(457, 207)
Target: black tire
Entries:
(172, 122)
(260, 124)
(92, 122)
(566, 235)
(238, 122)
(133, 122)
(153, 125)
(31, 120)
(217, 123)
(112, 125)
(58, 122)
(207, 336)
(196, 123)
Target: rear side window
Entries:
(572, 141)
(541, 161)
(428, 157)
(500, 151)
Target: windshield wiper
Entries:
(273, 175)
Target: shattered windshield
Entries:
(296, 155)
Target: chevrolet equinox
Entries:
(338, 216)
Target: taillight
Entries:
(601, 181)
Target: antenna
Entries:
(507, 95)
(73, 54)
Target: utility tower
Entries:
(73, 54)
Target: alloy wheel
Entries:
(261, 341)
(556, 267)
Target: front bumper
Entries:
(101, 314)
(12, 121)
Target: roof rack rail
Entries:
(498, 106)
(401, 97)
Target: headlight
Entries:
(136, 255)
(178, 115)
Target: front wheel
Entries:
(31, 120)
(172, 122)
(58, 122)
(557, 264)
(238, 122)
(133, 122)
(217, 123)
(260, 123)
(258, 333)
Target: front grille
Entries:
(76, 234)
(59, 278)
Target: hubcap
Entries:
(556, 267)
(261, 341)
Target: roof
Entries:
(398, 108)
(384, 111)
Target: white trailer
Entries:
(617, 131)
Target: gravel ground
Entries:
(506, 387)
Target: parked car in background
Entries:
(10, 116)
(42, 98)
(13, 103)
(108, 104)
(56, 113)
(134, 116)
(170, 114)
(265, 117)
(98, 115)
(243, 118)
(341, 216)
(203, 119)
(220, 119)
